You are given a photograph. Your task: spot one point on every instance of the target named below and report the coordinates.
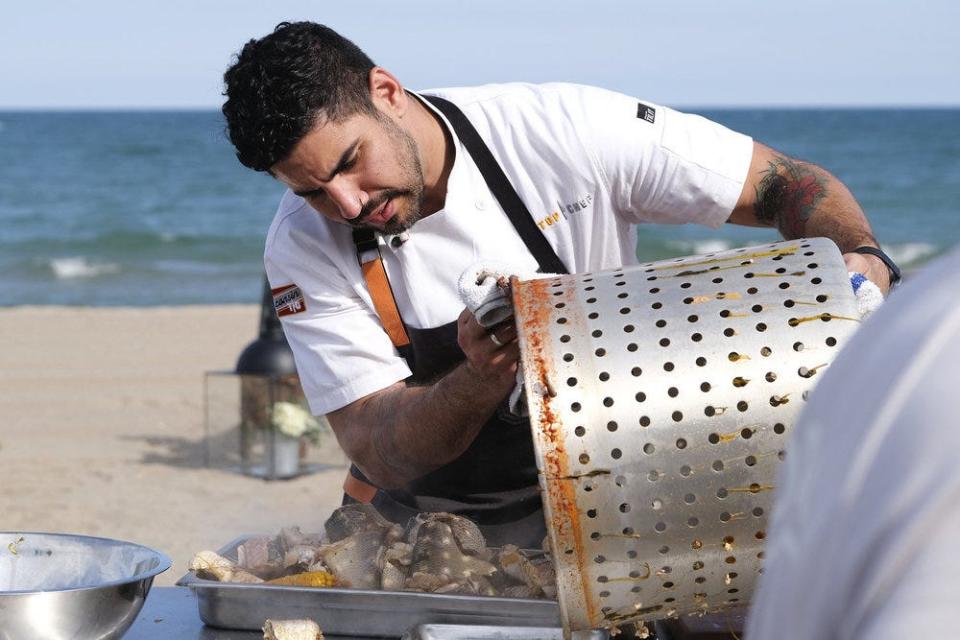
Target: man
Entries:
(551, 177)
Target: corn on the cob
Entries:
(307, 579)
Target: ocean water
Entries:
(152, 208)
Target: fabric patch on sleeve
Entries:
(288, 300)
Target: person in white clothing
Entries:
(398, 192)
(867, 515)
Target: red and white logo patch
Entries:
(288, 300)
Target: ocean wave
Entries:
(80, 267)
(911, 254)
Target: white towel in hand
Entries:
(869, 297)
(485, 290)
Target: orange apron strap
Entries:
(358, 489)
(383, 301)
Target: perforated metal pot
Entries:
(661, 397)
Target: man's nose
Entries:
(348, 199)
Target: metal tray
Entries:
(357, 612)
(476, 632)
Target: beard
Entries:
(410, 194)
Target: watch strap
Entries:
(895, 275)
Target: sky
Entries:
(146, 54)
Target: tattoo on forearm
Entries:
(788, 194)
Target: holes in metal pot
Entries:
(616, 454)
(641, 396)
(580, 431)
(673, 392)
(649, 448)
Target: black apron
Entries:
(494, 482)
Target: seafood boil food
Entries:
(434, 553)
(291, 630)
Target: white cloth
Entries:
(869, 296)
(588, 164)
(863, 539)
(484, 288)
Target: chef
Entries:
(393, 193)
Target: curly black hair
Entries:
(279, 86)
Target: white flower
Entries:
(291, 419)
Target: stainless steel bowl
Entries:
(55, 586)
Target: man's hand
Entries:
(403, 432)
(870, 266)
(803, 200)
(492, 354)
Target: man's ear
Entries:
(387, 93)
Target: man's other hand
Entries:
(870, 266)
(492, 354)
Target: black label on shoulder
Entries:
(646, 113)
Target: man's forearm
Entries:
(804, 200)
(404, 432)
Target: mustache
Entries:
(376, 203)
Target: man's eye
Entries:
(349, 164)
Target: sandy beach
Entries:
(103, 431)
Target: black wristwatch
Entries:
(895, 276)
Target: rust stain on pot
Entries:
(826, 317)
(534, 301)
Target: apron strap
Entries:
(500, 186)
(371, 264)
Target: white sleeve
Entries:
(661, 165)
(341, 349)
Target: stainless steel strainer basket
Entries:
(660, 398)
